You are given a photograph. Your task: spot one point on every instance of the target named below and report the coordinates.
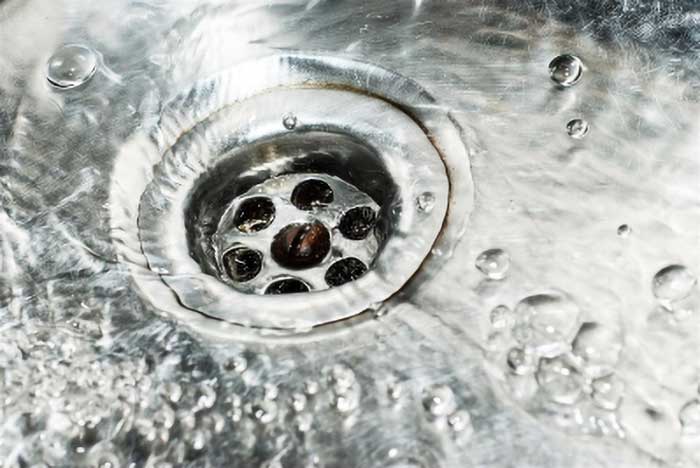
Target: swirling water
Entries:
(576, 345)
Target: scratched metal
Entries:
(92, 373)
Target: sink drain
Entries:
(307, 226)
(306, 185)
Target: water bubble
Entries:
(289, 121)
(264, 411)
(395, 391)
(207, 396)
(553, 319)
(238, 364)
(173, 391)
(566, 70)
(271, 391)
(459, 420)
(673, 282)
(689, 417)
(577, 128)
(348, 400)
(298, 402)
(599, 347)
(425, 202)
(303, 422)
(71, 65)
(559, 380)
(520, 362)
(493, 263)
(502, 317)
(341, 378)
(522, 333)
(624, 231)
(607, 392)
(439, 400)
(311, 387)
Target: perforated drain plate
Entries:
(307, 185)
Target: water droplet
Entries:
(289, 121)
(425, 202)
(439, 400)
(265, 411)
(303, 422)
(71, 65)
(173, 391)
(395, 391)
(673, 282)
(311, 387)
(460, 421)
(566, 70)
(607, 392)
(559, 380)
(689, 417)
(271, 391)
(348, 400)
(553, 319)
(502, 317)
(624, 231)
(341, 378)
(577, 128)
(599, 347)
(298, 402)
(207, 396)
(520, 362)
(238, 364)
(493, 263)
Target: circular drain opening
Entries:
(238, 206)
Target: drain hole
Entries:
(254, 214)
(312, 194)
(299, 246)
(357, 223)
(242, 264)
(287, 286)
(345, 270)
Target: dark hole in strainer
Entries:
(312, 193)
(254, 214)
(345, 270)
(287, 286)
(299, 246)
(357, 222)
(242, 264)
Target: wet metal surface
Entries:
(554, 322)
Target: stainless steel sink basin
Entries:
(335, 233)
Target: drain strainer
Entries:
(302, 200)
(296, 232)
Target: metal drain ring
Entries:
(203, 107)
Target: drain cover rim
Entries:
(135, 161)
(207, 294)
